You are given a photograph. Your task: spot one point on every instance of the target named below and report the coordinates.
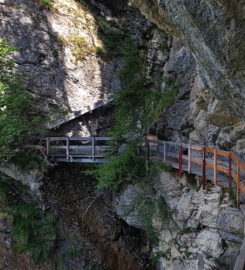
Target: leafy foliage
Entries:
(155, 257)
(34, 231)
(17, 115)
(138, 105)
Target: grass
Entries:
(47, 3)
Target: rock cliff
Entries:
(214, 32)
(204, 232)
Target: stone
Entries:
(231, 220)
(32, 179)
(229, 136)
(219, 115)
(210, 243)
(168, 184)
(125, 208)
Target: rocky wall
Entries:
(205, 230)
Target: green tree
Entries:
(17, 114)
(137, 106)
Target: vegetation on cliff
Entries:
(17, 112)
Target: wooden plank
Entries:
(196, 147)
(223, 153)
(180, 161)
(215, 166)
(204, 170)
(238, 185)
(218, 167)
(236, 160)
(230, 175)
(197, 161)
(209, 150)
(242, 187)
(189, 158)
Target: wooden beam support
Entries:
(230, 174)
(215, 166)
(180, 161)
(189, 158)
(238, 185)
(204, 170)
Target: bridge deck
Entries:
(220, 167)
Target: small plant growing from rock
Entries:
(47, 3)
(156, 256)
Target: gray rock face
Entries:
(202, 228)
(214, 31)
(32, 179)
(56, 53)
(232, 221)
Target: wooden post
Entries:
(215, 166)
(93, 147)
(164, 152)
(180, 161)
(67, 147)
(48, 144)
(230, 173)
(238, 184)
(204, 169)
(189, 158)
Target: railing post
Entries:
(67, 147)
(93, 147)
(204, 169)
(164, 151)
(230, 173)
(189, 158)
(215, 166)
(47, 145)
(180, 161)
(238, 184)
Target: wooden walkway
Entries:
(221, 167)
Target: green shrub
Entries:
(137, 106)
(34, 231)
(17, 113)
(155, 257)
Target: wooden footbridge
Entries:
(221, 167)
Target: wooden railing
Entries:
(222, 167)
(214, 164)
